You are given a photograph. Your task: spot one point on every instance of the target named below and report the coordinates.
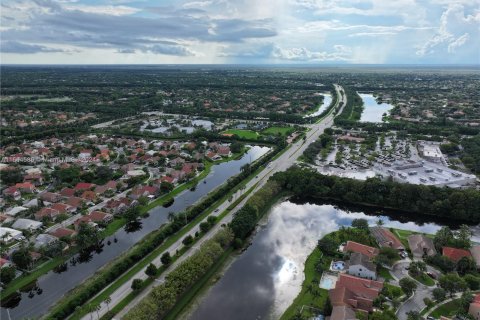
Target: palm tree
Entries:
(90, 310)
(107, 301)
(97, 308)
(380, 222)
(171, 216)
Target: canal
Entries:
(263, 281)
(37, 298)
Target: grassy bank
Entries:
(310, 295)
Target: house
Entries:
(26, 187)
(135, 173)
(15, 210)
(386, 239)
(455, 254)
(224, 151)
(213, 156)
(82, 186)
(12, 192)
(87, 153)
(75, 202)
(4, 263)
(27, 224)
(117, 206)
(343, 313)
(353, 246)
(475, 251)
(44, 240)
(421, 246)
(355, 293)
(89, 196)
(63, 233)
(5, 219)
(8, 234)
(474, 308)
(50, 197)
(67, 192)
(360, 265)
(46, 212)
(63, 208)
(35, 178)
(100, 217)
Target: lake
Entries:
(327, 100)
(373, 111)
(264, 280)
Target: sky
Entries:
(240, 32)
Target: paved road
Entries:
(415, 303)
(282, 163)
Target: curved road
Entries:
(282, 163)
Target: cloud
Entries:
(23, 48)
(108, 10)
(451, 31)
(170, 50)
(460, 41)
(340, 53)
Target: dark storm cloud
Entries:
(128, 32)
(23, 48)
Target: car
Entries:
(431, 318)
(216, 210)
(431, 275)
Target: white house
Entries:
(27, 224)
(360, 266)
(9, 234)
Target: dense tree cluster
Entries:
(164, 297)
(442, 202)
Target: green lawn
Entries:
(448, 309)
(404, 234)
(245, 134)
(284, 131)
(385, 274)
(424, 279)
(310, 295)
(393, 291)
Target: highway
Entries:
(282, 163)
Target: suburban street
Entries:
(282, 163)
(415, 302)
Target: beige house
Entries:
(421, 245)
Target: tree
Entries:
(108, 300)
(360, 224)
(414, 315)
(171, 216)
(408, 286)
(452, 283)
(466, 299)
(439, 294)
(137, 284)
(187, 241)
(10, 177)
(22, 258)
(443, 237)
(328, 245)
(244, 221)
(204, 227)
(151, 270)
(417, 268)
(466, 265)
(463, 237)
(166, 258)
(87, 236)
(131, 214)
(472, 281)
(7, 274)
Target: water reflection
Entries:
(327, 100)
(265, 279)
(373, 111)
(82, 267)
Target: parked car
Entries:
(431, 275)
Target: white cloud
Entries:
(108, 10)
(451, 31)
(460, 41)
(340, 53)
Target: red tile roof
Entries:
(360, 248)
(455, 254)
(84, 186)
(62, 232)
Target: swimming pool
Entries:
(337, 266)
(328, 281)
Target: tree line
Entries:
(463, 205)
